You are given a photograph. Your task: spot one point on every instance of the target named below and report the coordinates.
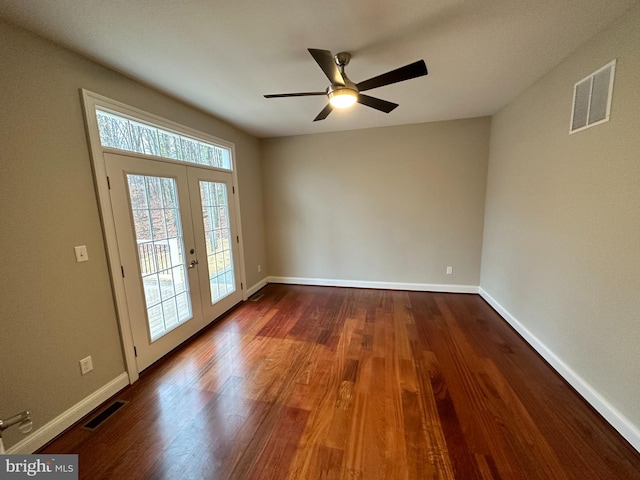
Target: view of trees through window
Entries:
(132, 136)
(156, 219)
(215, 215)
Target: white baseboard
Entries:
(55, 427)
(257, 286)
(420, 287)
(617, 420)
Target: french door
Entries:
(176, 232)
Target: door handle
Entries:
(193, 263)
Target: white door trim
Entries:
(90, 101)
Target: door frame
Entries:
(90, 101)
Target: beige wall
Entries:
(396, 204)
(54, 311)
(562, 223)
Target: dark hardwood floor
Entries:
(336, 383)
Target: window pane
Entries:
(190, 151)
(137, 192)
(124, 134)
(160, 252)
(217, 234)
(169, 145)
(145, 138)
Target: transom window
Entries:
(133, 136)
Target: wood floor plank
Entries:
(373, 452)
(275, 460)
(340, 383)
(451, 455)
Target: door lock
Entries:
(193, 263)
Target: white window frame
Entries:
(91, 101)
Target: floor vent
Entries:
(99, 419)
(255, 297)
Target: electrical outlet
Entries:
(449, 270)
(86, 365)
(81, 253)
(259, 268)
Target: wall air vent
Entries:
(592, 98)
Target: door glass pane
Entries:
(217, 232)
(156, 218)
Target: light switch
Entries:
(81, 253)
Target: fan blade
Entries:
(376, 103)
(324, 113)
(413, 70)
(301, 94)
(324, 58)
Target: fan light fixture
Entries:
(343, 97)
(343, 93)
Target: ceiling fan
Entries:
(343, 92)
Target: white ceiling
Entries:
(223, 55)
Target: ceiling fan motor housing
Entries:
(348, 92)
(342, 58)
